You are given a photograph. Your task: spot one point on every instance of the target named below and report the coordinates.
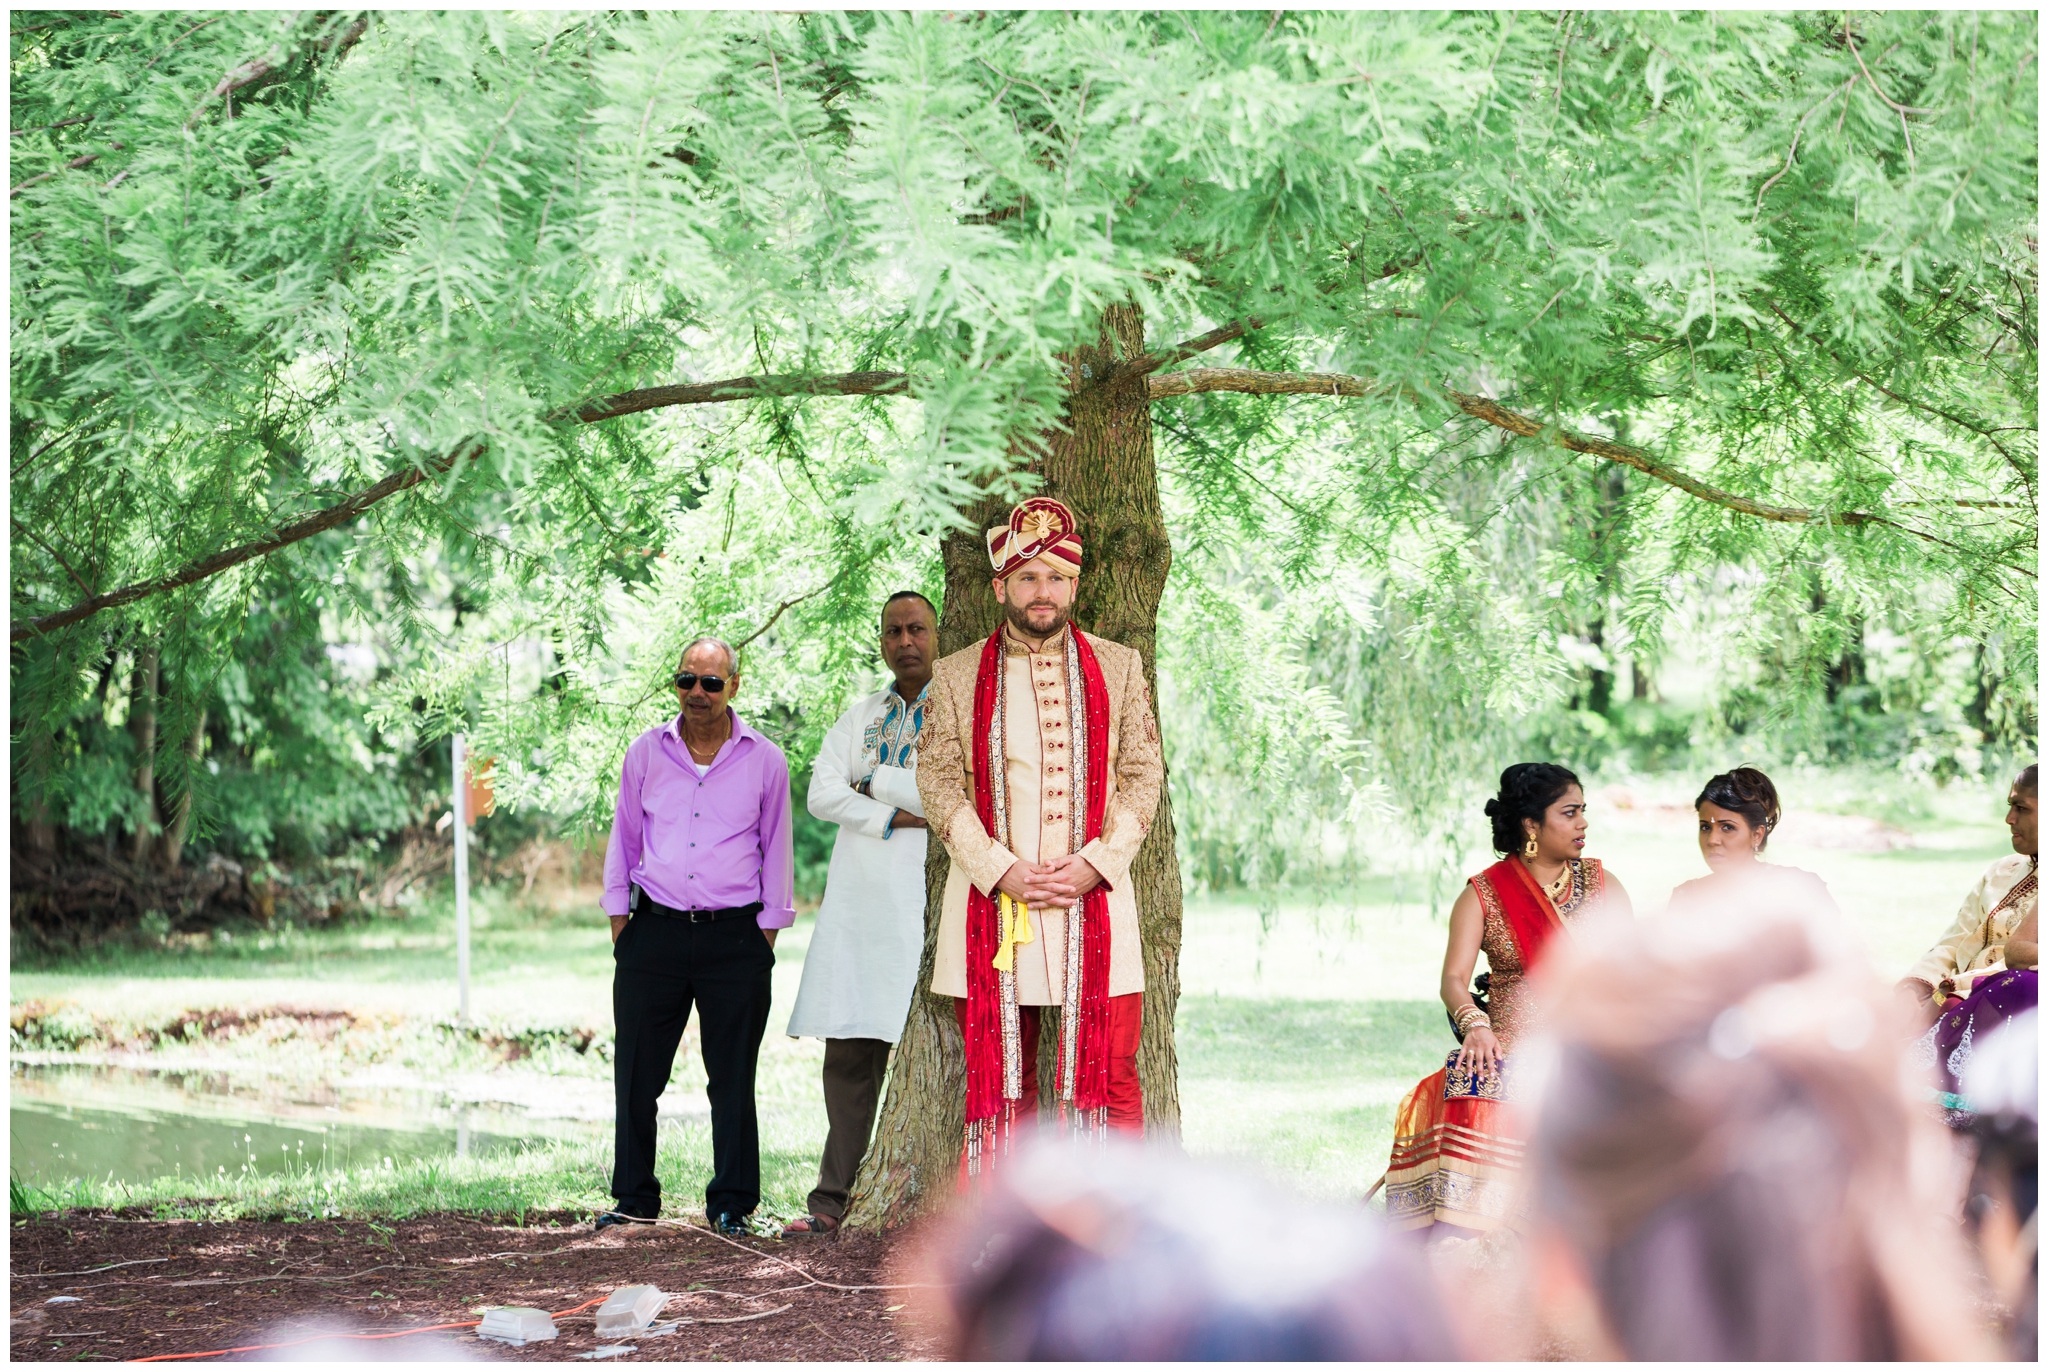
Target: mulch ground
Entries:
(188, 1286)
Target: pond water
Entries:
(71, 1120)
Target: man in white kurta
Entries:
(862, 961)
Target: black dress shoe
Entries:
(612, 1217)
(732, 1226)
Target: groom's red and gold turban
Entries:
(1040, 527)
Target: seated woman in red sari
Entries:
(1457, 1137)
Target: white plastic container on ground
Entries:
(516, 1324)
(629, 1310)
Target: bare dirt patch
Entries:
(186, 1286)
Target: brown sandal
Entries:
(811, 1226)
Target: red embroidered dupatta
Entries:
(1509, 887)
(993, 1040)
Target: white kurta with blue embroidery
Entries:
(862, 961)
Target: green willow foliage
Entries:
(263, 260)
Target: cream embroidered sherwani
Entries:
(1036, 752)
(1975, 943)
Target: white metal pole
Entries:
(461, 881)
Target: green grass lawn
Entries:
(1298, 1030)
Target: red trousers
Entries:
(1126, 1097)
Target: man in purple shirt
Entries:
(698, 878)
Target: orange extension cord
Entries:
(315, 1338)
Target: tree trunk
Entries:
(181, 818)
(39, 829)
(1103, 467)
(142, 727)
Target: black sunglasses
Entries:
(712, 684)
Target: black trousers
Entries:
(854, 1069)
(663, 967)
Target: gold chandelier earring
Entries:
(1529, 849)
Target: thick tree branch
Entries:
(1189, 382)
(261, 70)
(333, 516)
(1248, 382)
(73, 165)
(1235, 329)
(1479, 407)
(60, 124)
(743, 388)
(1181, 352)
(199, 570)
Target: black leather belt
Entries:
(651, 906)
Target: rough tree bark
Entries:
(142, 727)
(1103, 467)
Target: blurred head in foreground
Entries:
(1724, 1156)
(2003, 1085)
(1121, 1253)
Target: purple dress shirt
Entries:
(704, 843)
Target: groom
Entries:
(1039, 768)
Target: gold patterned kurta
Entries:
(1975, 943)
(1041, 790)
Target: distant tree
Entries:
(286, 281)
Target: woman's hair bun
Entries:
(1527, 789)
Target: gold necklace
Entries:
(713, 749)
(1556, 889)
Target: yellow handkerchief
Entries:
(1014, 927)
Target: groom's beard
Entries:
(1017, 617)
